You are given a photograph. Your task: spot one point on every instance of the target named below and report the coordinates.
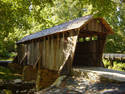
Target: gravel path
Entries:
(74, 85)
(79, 85)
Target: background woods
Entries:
(19, 18)
(64, 29)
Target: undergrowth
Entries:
(120, 66)
(7, 74)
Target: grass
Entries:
(9, 58)
(6, 74)
(6, 59)
(120, 66)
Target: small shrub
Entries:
(120, 66)
(106, 63)
(7, 74)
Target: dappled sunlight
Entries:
(6, 74)
(117, 65)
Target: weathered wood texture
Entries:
(56, 51)
(89, 53)
(68, 51)
(33, 53)
(52, 52)
(22, 54)
(95, 25)
(93, 28)
(74, 24)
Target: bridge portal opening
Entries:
(89, 50)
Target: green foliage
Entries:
(101, 8)
(106, 63)
(15, 19)
(12, 16)
(120, 66)
(6, 74)
(6, 91)
(23, 17)
(116, 43)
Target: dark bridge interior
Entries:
(87, 52)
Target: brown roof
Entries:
(74, 24)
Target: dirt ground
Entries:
(82, 86)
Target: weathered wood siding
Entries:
(68, 50)
(22, 54)
(89, 53)
(54, 52)
(33, 55)
(94, 25)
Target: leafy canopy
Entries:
(22, 17)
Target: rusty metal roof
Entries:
(73, 24)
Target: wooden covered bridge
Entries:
(79, 42)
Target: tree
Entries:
(21, 17)
(16, 15)
(116, 42)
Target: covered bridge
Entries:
(79, 42)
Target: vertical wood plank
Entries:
(39, 62)
(52, 51)
(21, 50)
(49, 53)
(44, 52)
(41, 53)
(37, 55)
(99, 27)
(102, 26)
(101, 43)
(68, 51)
(89, 26)
(55, 52)
(92, 25)
(75, 38)
(61, 52)
(28, 52)
(32, 54)
(58, 53)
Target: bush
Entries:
(6, 74)
(106, 63)
(120, 66)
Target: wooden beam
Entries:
(90, 33)
(23, 58)
(38, 58)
